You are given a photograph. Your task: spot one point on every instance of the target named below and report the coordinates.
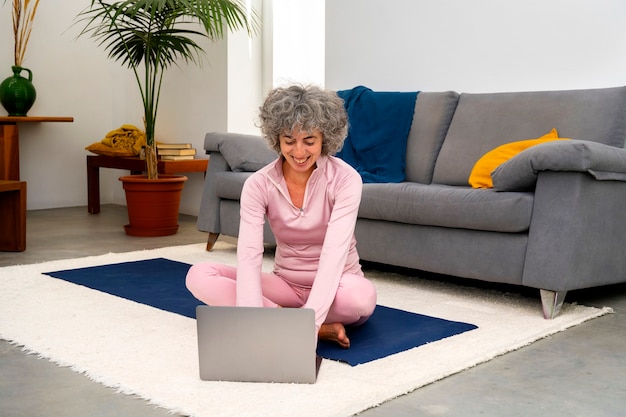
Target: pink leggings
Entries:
(214, 284)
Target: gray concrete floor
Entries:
(579, 372)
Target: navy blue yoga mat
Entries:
(157, 282)
(390, 331)
(160, 283)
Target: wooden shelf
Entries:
(10, 145)
(34, 119)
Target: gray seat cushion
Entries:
(427, 205)
(446, 206)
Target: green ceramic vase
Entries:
(17, 94)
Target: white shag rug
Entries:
(140, 350)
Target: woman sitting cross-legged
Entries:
(311, 200)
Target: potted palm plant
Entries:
(148, 36)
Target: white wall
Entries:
(298, 42)
(244, 76)
(73, 77)
(475, 46)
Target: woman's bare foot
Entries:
(334, 332)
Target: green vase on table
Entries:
(17, 94)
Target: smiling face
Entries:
(300, 150)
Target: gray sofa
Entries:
(553, 221)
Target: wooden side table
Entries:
(12, 216)
(10, 145)
(135, 166)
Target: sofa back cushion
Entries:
(431, 119)
(482, 122)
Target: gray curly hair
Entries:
(307, 108)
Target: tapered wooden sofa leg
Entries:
(211, 241)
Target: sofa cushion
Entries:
(241, 152)
(601, 161)
(446, 206)
(482, 122)
(480, 177)
(433, 113)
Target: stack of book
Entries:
(175, 151)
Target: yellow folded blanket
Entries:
(127, 137)
(127, 140)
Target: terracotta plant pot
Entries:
(152, 204)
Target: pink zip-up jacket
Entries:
(315, 243)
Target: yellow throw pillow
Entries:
(480, 177)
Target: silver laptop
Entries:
(254, 344)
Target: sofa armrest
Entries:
(602, 162)
(209, 214)
(576, 237)
(243, 153)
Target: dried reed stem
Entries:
(23, 16)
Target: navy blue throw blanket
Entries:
(379, 124)
(160, 283)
